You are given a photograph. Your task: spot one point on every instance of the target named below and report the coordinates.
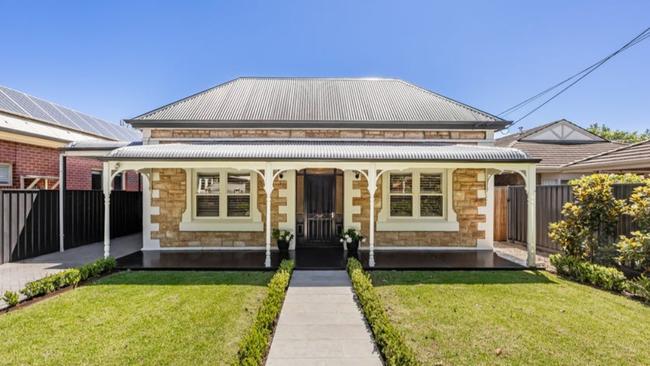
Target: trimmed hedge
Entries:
(69, 277)
(255, 344)
(607, 278)
(390, 342)
(11, 298)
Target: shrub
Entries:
(634, 251)
(640, 287)
(589, 223)
(11, 298)
(389, 341)
(639, 207)
(255, 343)
(578, 269)
(97, 268)
(51, 283)
(69, 277)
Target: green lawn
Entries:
(142, 318)
(513, 318)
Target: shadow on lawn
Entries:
(384, 278)
(185, 278)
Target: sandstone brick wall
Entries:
(466, 201)
(318, 133)
(171, 202)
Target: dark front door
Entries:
(320, 209)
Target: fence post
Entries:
(531, 186)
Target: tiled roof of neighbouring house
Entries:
(557, 143)
(322, 102)
(317, 150)
(21, 104)
(621, 157)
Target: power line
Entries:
(580, 75)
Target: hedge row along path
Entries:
(321, 324)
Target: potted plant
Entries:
(283, 238)
(351, 238)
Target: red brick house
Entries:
(33, 130)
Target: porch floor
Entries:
(316, 259)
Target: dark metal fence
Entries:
(549, 203)
(29, 220)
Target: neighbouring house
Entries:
(633, 158)
(405, 166)
(556, 144)
(32, 131)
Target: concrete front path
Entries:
(321, 324)
(14, 275)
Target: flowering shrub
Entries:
(282, 235)
(589, 223)
(351, 235)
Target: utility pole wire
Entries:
(636, 40)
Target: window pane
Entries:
(239, 183)
(207, 184)
(4, 174)
(96, 180)
(401, 183)
(431, 183)
(207, 205)
(401, 205)
(430, 205)
(239, 206)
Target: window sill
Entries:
(222, 225)
(419, 224)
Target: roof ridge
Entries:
(460, 104)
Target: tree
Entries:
(618, 135)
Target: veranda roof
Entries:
(319, 150)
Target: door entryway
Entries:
(319, 208)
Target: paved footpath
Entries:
(321, 324)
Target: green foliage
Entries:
(634, 251)
(590, 220)
(578, 269)
(69, 277)
(97, 268)
(283, 235)
(51, 283)
(11, 298)
(640, 287)
(618, 135)
(639, 207)
(389, 341)
(254, 345)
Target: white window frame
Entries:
(11, 175)
(191, 222)
(416, 222)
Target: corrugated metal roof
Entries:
(19, 103)
(355, 100)
(636, 154)
(317, 150)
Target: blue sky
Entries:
(118, 59)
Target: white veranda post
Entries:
(268, 189)
(106, 187)
(372, 188)
(531, 224)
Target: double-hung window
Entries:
(207, 195)
(417, 195)
(239, 195)
(222, 195)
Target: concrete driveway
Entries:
(14, 275)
